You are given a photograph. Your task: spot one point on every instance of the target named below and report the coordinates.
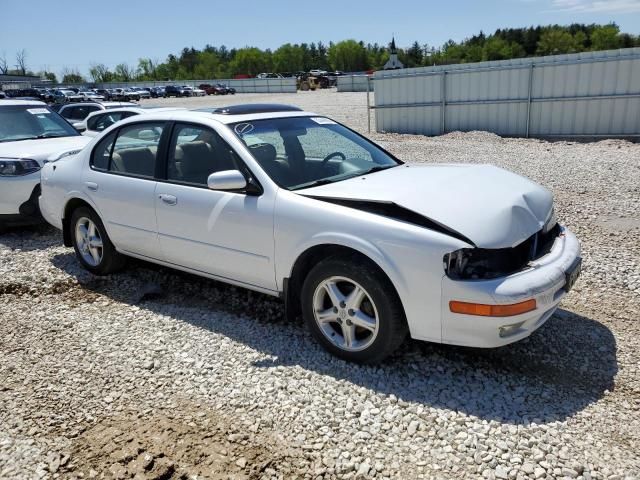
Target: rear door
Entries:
(226, 234)
(121, 181)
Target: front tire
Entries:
(91, 243)
(353, 310)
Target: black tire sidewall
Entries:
(111, 259)
(392, 325)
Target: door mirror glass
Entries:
(227, 180)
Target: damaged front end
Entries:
(487, 264)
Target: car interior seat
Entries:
(139, 161)
(277, 169)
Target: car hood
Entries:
(490, 206)
(44, 148)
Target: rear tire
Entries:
(353, 310)
(91, 243)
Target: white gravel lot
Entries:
(157, 374)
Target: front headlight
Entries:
(14, 167)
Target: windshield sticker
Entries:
(244, 128)
(37, 111)
(323, 121)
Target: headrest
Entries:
(263, 152)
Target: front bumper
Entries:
(544, 281)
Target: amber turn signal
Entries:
(492, 310)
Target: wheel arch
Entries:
(72, 204)
(304, 262)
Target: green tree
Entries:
(123, 73)
(556, 41)
(348, 56)
(72, 76)
(100, 73)
(249, 61)
(289, 58)
(606, 37)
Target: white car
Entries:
(193, 91)
(295, 205)
(97, 122)
(31, 134)
(76, 113)
(198, 92)
(91, 96)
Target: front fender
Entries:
(359, 244)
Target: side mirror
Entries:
(227, 180)
(79, 126)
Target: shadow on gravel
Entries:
(566, 365)
(29, 238)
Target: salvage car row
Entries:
(292, 204)
(69, 95)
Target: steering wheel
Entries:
(330, 156)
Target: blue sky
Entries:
(75, 34)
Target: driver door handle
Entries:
(91, 186)
(168, 199)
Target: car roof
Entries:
(7, 102)
(191, 115)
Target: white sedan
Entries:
(295, 205)
(96, 122)
(31, 134)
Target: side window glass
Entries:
(102, 152)
(104, 121)
(197, 152)
(136, 149)
(68, 112)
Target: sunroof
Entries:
(248, 108)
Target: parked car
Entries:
(157, 92)
(76, 113)
(173, 91)
(125, 95)
(30, 135)
(227, 89)
(197, 92)
(105, 93)
(316, 72)
(295, 205)
(142, 93)
(90, 96)
(24, 93)
(213, 89)
(98, 121)
(46, 95)
(66, 96)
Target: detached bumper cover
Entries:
(544, 281)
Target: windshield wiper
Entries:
(315, 183)
(377, 168)
(50, 135)
(325, 181)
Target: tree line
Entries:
(349, 55)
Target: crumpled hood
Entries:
(490, 206)
(42, 149)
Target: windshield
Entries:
(28, 122)
(301, 152)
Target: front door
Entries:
(226, 234)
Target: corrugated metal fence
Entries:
(248, 85)
(352, 83)
(591, 94)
